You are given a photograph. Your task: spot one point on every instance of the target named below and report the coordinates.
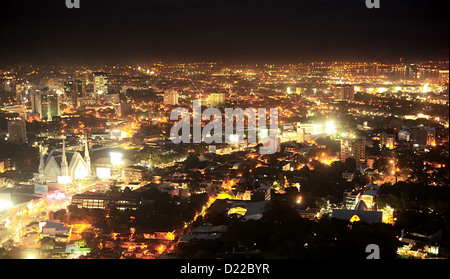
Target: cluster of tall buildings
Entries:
(45, 100)
(421, 136)
(74, 90)
(46, 103)
(418, 136)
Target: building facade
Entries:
(216, 99)
(353, 148)
(17, 132)
(387, 140)
(74, 89)
(344, 93)
(100, 84)
(171, 97)
(46, 103)
(422, 136)
(104, 202)
(64, 166)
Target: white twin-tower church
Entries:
(64, 166)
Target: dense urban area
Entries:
(88, 168)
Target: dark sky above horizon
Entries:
(236, 31)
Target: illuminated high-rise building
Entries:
(216, 99)
(344, 93)
(100, 84)
(404, 135)
(353, 148)
(387, 140)
(46, 103)
(124, 109)
(422, 136)
(23, 90)
(73, 90)
(444, 78)
(171, 97)
(296, 90)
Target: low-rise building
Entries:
(360, 213)
(369, 198)
(351, 198)
(56, 230)
(96, 201)
(308, 214)
(134, 173)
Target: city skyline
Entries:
(224, 129)
(89, 149)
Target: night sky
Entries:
(235, 31)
